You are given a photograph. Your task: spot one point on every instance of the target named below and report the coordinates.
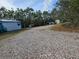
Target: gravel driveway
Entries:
(41, 43)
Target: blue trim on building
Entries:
(1, 27)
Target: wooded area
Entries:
(27, 16)
(67, 11)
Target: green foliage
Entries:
(67, 11)
(27, 16)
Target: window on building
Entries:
(19, 24)
(0, 23)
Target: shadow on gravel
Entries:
(10, 34)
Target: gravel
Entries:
(41, 43)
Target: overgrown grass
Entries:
(61, 27)
(10, 34)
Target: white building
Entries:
(9, 25)
(57, 21)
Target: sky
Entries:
(43, 5)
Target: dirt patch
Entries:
(60, 27)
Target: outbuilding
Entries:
(9, 25)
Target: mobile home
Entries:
(9, 25)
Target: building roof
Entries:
(6, 20)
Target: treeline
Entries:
(27, 16)
(67, 11)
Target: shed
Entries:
(57, 21)
(9, 25)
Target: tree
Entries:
(68, 12)
(27, 16)
(2, 12)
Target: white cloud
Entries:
(7, 4)
(30, 2)
(46, 4)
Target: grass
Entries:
(60, 27)
(10, 34)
